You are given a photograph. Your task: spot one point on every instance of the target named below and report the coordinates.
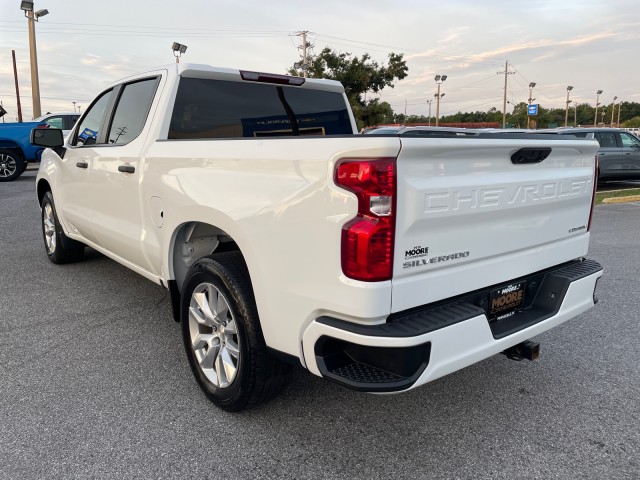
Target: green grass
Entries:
(618, 193)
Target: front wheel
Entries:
(59, 247)
(11, 165)
(222, 335)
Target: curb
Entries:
(631, 198)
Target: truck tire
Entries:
(59, 247)
(222, 335)
(11, 165)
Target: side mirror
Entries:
(47, 137)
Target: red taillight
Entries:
(593, 198)
(367, 240)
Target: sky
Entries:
(85, 46)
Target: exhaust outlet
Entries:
(527, 350)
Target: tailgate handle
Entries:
(530, 155)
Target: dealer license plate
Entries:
(506, 301)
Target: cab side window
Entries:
(629, 141)
(88, 130)
(132, 111)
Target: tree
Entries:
(359, 75)
(632, 123)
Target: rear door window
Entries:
(606, 139)
(207, 108)
(70, 121)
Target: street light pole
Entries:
(32, 18)
(531, 99)
(613, 109)
(566, 113)
(430, 102)
(595, 117)
(619, 107)
(404, 120)
(439, 79)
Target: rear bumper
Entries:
(424, 344)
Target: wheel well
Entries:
(43, 187)
(193, 241)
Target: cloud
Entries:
(453, 35)
(580, 41)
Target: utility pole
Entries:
(15, 76)
(304, 54)
(504, 100)
(306, 61)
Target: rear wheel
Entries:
(222, 335)
(11, 165)
(59, 247)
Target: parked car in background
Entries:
(619, 152)
(64, 121)
(635, 131)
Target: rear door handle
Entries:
(126, 169)
(82, 164)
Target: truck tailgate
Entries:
(468, 217)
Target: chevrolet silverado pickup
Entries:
(379, 262)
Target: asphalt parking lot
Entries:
(94, 384)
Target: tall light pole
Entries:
(575, 114)
(595, 117)
(566, 113)
(531, 99)
(613, 109)
(430, 102)
(32, 18)
(439, 79)
(404, 119)
(178, 49)
(619, 107)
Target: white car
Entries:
(64, 121)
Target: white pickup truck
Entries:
(378, 262)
